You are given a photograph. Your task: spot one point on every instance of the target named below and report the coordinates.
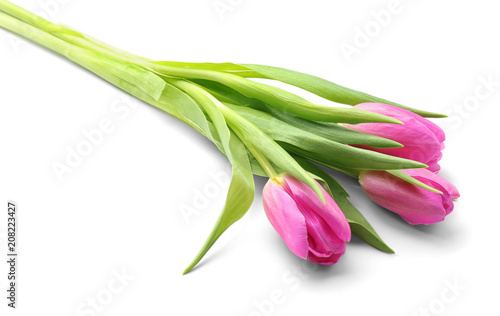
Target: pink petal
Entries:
(433, 163)
(329, 212)
(329, 260)
(397, 112)
(450, 188)
(419, 143)
(415, 205)
(286, 218)
(321, 238)
(422, 139)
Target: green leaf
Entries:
(325, 88)
(225, 94)
(241, 191)
(406, 177)
(336, 132)
(287, 102)
(239, 197)
(321, 149)
(358, 223)
(188, 109)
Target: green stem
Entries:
(23, 15)
(66, 34)
(35, 35)
(14, 19)
(51, 29)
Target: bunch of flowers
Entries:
(266, 131)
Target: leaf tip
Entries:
(438, 115)
(389, 250)
(396, 121)
(319, 192)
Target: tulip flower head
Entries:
(414, 204)
(422, 140)
(308, 227)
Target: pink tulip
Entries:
(307, 226)
(414, 204)
(422, 139)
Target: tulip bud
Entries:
(307, 226)
(422, 140)
(414, 204)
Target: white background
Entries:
(120, 210)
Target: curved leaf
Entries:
(242, 189)
(282, 100)
(239, 197)
(325, 88)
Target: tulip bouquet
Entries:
(393, 150)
